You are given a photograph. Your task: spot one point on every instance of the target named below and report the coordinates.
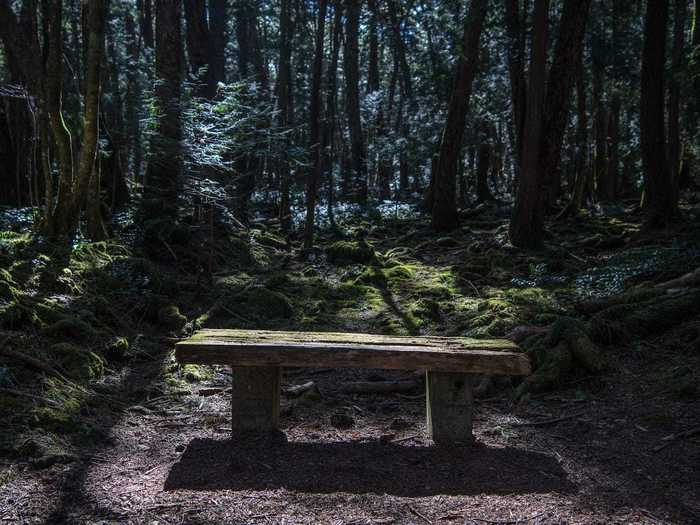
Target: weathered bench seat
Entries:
(257, 357)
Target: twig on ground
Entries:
(421, 516)
(547, 421)
(670, 439)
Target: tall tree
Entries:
(660, 198)
(285, 105)
(560, 82)
(444, 210)
(515, 28)
(352, 100)
(315, 127)
(527, 222)
(164, 175)
(674, 92)
(198, 48)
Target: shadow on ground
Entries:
(410, 471)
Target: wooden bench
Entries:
(258, 356)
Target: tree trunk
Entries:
(146, 22)
(352, 101)
(674, 94)
(559, 86)
(164, 176)
(198, 46)
(527, 222)
(444, 212)
(284, 104)
(660, 199)
(515, 22)
(315, 128)
(218, 22)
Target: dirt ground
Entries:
(586, 454)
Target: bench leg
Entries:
(255, 398)
(449, 407)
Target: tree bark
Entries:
(527, 222)
(198, 47)
(516, 68)
(352, 101)
(660, 199)
(315, 128)
(560, 82)
(444, 212)
(284, 104)
(164, 176)
(674, 94)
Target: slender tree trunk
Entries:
(444, 212)
(146, 21)
(198, 46)
(660, 199)
(484, 161)
(218, 22)
(527, 222)
(164, 176)
(674, 94)
(284, 104)
(133, 99)
(315, 128)
(352, 100)
(516, 68)
(329, 133)
(559, 86)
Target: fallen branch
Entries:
(297, 390)
(19, 393)
(668, 440)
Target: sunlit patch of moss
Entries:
(63, 414)
(197, 373)
(349, 252)
(400, 272)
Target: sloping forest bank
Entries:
(88, 331)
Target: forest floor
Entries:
(101, 426)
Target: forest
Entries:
(523, 174)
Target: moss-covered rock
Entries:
(78, 362)
(170, 317)
(350, 252)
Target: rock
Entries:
(341, 420)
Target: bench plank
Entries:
(340, 350)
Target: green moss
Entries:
(372, 275)
(8, 287)
(262, 303)
(349, 252)
(197, 373)
(63, 415)
(78, 362)
(69, 327)
(171, 318)
(400, 272)
(425, 310)
(117, 347)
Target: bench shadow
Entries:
(368, 467)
